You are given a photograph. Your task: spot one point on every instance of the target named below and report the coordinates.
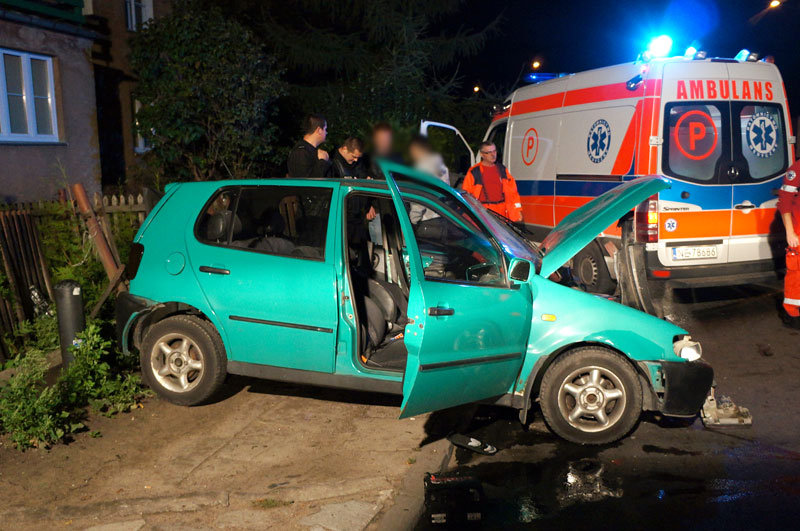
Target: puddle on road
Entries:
(545, 483)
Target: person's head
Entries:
(352, 149)
(488, 153)
(382, 139)
(419, 147)
(315, 129)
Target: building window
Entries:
(141, 144)
(137, 12)
(27, 98)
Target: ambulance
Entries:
(719, 129)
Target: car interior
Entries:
(379, 270)
(277, 220)
(379, 280)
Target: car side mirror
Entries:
(520, 270)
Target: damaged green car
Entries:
(400, 286)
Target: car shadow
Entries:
(235, 384)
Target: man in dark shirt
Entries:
(346, 163)
(306, 159)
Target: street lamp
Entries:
(775, 3)
(476, 89)
(536, 64)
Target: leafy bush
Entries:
(208, 94)
(35, 414)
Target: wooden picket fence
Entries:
(23, 260)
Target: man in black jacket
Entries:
(346, 163)
(306, 159)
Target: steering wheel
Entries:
(484, 272)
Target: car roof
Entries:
(371, 183)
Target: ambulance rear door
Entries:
(695, 213)
(760, 154)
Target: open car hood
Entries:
(579, 228)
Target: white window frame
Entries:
(130, 13)
(6, 135)
(139, 143)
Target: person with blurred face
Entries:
(306, 158)
(382, 148)
(426, 159)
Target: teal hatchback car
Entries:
(401, 286)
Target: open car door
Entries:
(468, 325)
(449, 141)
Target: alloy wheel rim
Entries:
(177, 363)
(592, 399)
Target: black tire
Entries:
(575, 367)
(589, 269)
(203, 345)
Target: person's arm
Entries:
(469, 186)
(791, 236)
(514, 193)
(320, 168)
(787, 196)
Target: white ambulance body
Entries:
(718, 128)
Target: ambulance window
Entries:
(498, 136)
(762, 139)
(695, 137)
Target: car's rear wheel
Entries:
(591, 396)
(183, 359)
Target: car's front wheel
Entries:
(591, 396)
(183, 359)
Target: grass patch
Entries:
(270, 503)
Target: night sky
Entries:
(580, 35)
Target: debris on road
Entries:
(453, 499)
(471, 443)
(724, 412)
(584, 482)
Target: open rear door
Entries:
(468, 326)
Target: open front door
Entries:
(468, 326)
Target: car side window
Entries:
(453, 246)
(280, 220)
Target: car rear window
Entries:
(280, 220)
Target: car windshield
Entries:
(511, 237)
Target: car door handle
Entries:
(438, 311)
(215, 270)
(744, 206)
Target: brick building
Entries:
(48, 126)
(116, 21)
(67, 108)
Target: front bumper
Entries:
(127, 305)
(686, 385)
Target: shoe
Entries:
(790, 321)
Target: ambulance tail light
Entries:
(645, 221)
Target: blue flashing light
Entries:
(742, 55)
(660, 46)
(689, 53)
(539, 77)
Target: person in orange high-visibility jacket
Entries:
(491, 184)
(789, 208)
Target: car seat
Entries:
(217, 226)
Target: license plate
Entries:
(694, 253)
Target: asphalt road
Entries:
(666, 474)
